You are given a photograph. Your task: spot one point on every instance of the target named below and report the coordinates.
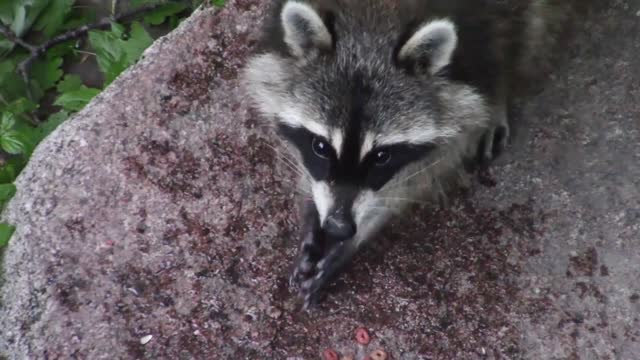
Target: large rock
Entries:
(157, 211)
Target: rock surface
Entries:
(153, 224)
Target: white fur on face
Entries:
(367, 144)
(368, 215)
(322, 197)
(435, 40)
(337, 139)
(362, 205)
(416, 135)
(296, 118)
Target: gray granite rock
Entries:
(161, 210)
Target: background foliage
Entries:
(32, 106)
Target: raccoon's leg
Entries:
(496, 138)
(326, 269)
(311, 246)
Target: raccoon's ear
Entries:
(304, 30)
(432, 44)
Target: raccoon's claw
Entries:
(311, 289)
(493, 143)
(310, 254)
(301, 272)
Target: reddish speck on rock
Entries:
(330, 354)
(378, 355)
(362, 336)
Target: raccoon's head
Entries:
(362, 106)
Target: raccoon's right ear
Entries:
(305, 32)
(431, 46)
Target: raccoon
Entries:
(381, 103)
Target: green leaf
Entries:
(52, 123)
(76, 99)
(10, 143)
(12, 85)
(6, 231)
(47, 72)
(159, 16)
(218, 3)
(70, 82)
(25, 12)
(62, 50)
(139, 3)
(80, 16)
(35, 8)
(138, 41)
(6, 12)
(110, 55)
(113, 53)
(117, 29)
(19, 20)
(19, 106)
(28, 136)
(11, 169)
(5, 47)
(53, 17)
(6, 192)
(8, 172)
(6, 67)
(7, 123)
(174, 21)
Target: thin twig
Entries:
(12, 37)
(8, 33)
(114, 7)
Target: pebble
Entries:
(362, 336)
(145, 339)
(330, 354)
(378, 355)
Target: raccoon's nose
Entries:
(339, 227)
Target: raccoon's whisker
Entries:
(402, 181)
(382, 208)
(296, 186)
(404, 200)
(302, 192)
(285, 158)
(275, 149)
(291, 166)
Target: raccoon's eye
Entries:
(381, 158)
(320, 148)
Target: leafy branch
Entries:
(38, 50)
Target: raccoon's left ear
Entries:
(432, 44)
(304, 30)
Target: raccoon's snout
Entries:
(339, 226)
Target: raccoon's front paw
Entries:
(493, 143)
(311, 251)
(312, 289)
(322, 272)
